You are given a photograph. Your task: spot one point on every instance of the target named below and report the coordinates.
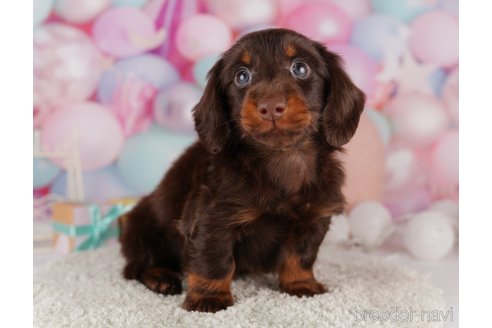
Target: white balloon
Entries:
(429, 235)
(339, 230)
(370, 223)
(80, 11)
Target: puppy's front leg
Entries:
(210, 266)
(296, 269)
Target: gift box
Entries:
(83, 226)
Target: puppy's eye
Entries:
(300, 69)
(243, 76)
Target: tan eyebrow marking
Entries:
(290, 50)
(246, 58)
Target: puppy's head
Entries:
(276, 88)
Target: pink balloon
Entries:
(434, 38)
(355, 9)
(450, 95)
(76, 11)
(321, 21)
(126, 31)
(202, 35)
(240, 14)
(364, 164)
(361, 68)
(67, 67)
(418, 119)
(99, 134)
(172, 107)
(445, 166)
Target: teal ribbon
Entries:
(99, 230)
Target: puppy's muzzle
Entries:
(272, 108)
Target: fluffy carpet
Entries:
(87, 290)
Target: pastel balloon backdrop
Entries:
(379, 34)
(404, 10)
(41, 11)
(434, 38)
(146, 156)
(76, 11)
(444, 166)
(105, 183)
(417, 119)
(321, 21)
(44, 172)
(450, 95)
(201, 68)
(240, 14)
(67, 67)
(173, 106)
(126, 31)
(100, 136)
(148, 68)
(202, 35)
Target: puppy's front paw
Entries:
(212, 302)
(161, 281)
(303, 288)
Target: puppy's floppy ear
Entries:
(210, 113)
(344, 101)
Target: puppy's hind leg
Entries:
(152, 250)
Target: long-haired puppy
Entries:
(257, 191)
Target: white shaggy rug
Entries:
(87, 290)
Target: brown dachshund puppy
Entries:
(256, 192)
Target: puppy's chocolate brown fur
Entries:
(256, 192)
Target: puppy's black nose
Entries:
(271, 108)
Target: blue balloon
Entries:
(133, 3)
(148, 68)
(44, 172)
(41, 11)
(437, 79)
(376, 34)
(201, 68)
(404, 10)
(99, 185)
(146, 156)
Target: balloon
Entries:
(99, 135)
(404, 10)
(201, 68)
(323, 21)
(76, 11)
(99, 185)
(133, 3)
(407, 202)
(148, 68)
(405, 171)
(254, 28)
(376, 34)
(339, 229)
(172, 107)
(437, 81)
(41, 11)
(240, 14)
(146, 156)
(382, 123)
(434, 38)
(355, 9)
(67, 67)
(126, 31)
(444, 170)
(370, 223)
(202, 35)
(451, 6)
(450, 95)
(417, 119)
(360, 67)
(44, 172)
(363, 161)
(429, 236)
